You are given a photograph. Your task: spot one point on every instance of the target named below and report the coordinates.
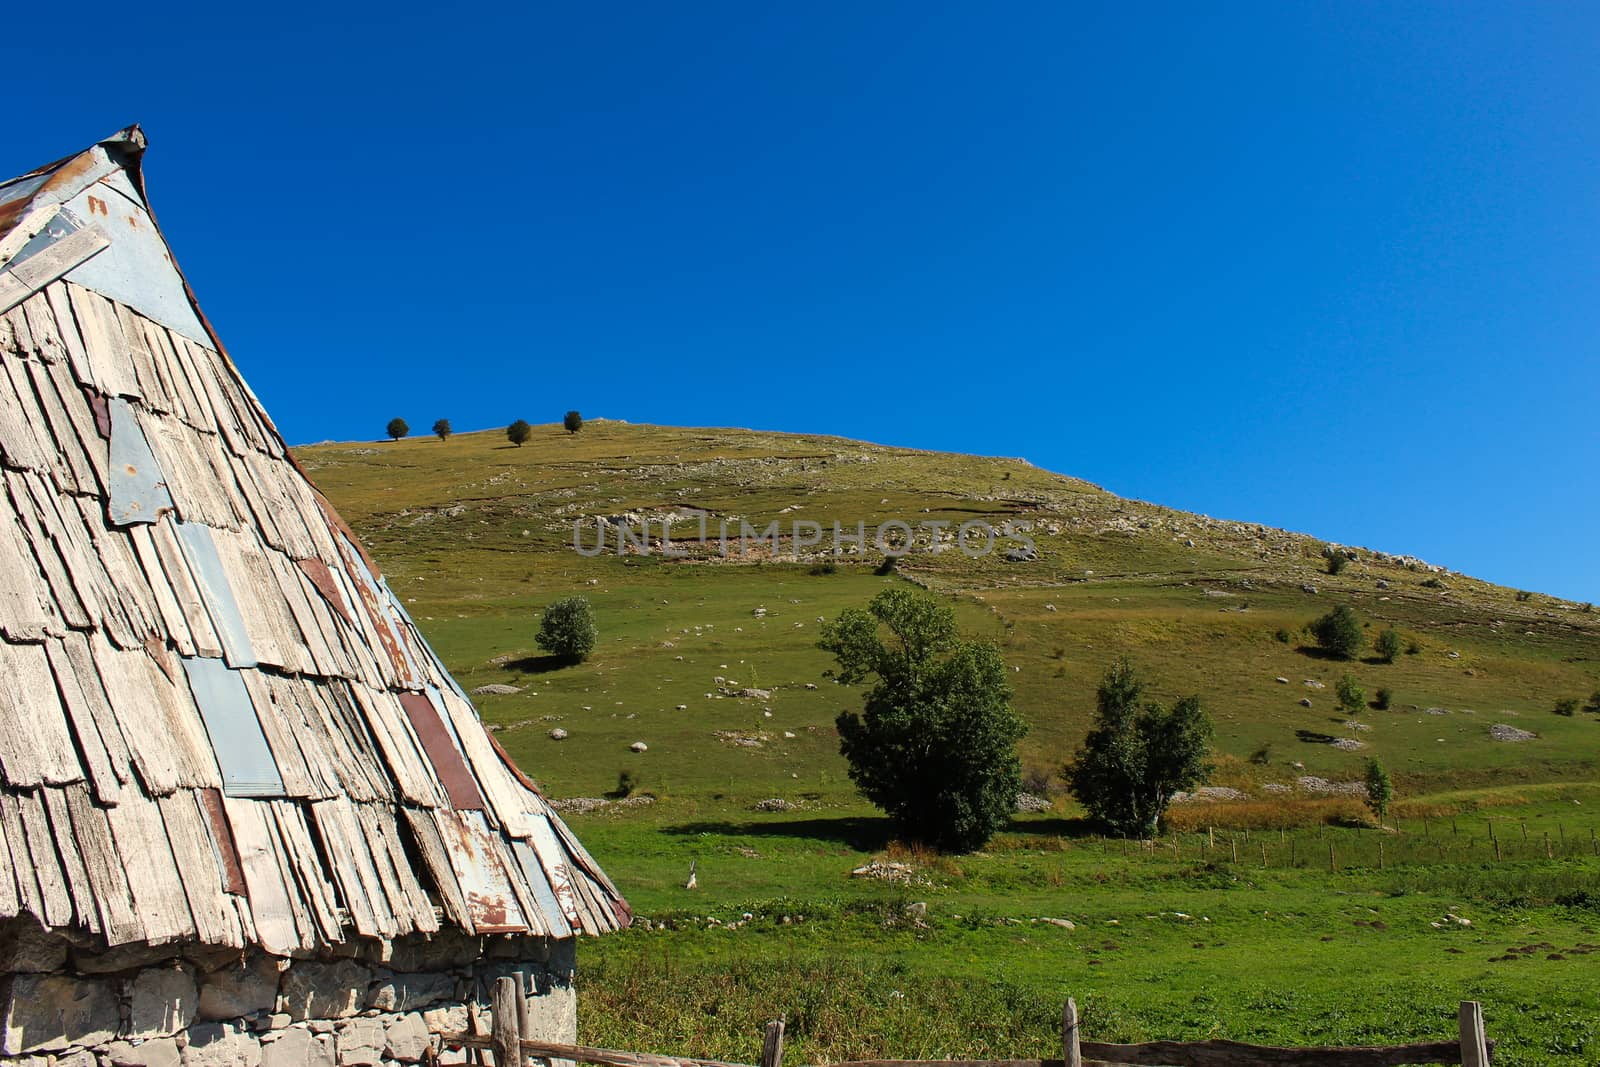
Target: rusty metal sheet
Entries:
(138, 486)
(483, 880)
(227, 852)
(443, 752)
(200, 551)
(248, 766)
(322, 578)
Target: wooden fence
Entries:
(1472, 1049)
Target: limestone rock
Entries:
(159, 1052)
(406, 1039)
(298, 1047)
(164, 1000)
(451, 1020)
(43, 1012)
(325, 990)
(221, 1045)
(361, 1043)
(26, 947)
(240, 989)
(411, 992)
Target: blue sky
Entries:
(1333, 267)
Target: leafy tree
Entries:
(567, 629)
(397, 429)
(1387, 645)
(442, 429)
(935, 744)
(1136, 758)
(519, 432)
(1380, 791)
(1352, 697)
(1338, 633)
(573, 422)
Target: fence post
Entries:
(1070, 1052)
(772, 1045)
(505, 1017)
(1474, 1047)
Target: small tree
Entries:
(573, 422)
(1384, 698)
(1380, 791)
(1336, 560)
(1135, 759)
(519, 432)
(1387, 645)
(567, 629)
(442, 430)
(396, 429)
(935, 745)
(1352, 698)
(1338, 633)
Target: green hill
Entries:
(477, 535)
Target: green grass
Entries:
(475, 536)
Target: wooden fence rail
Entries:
(1471, 1049)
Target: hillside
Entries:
(477, 535)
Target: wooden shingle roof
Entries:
(217, 723)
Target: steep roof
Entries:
(217, 722)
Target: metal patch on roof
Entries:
(444, 752)
(248, 769)
(201, 553)
(138, 486)
(539, 883)
(484, 881)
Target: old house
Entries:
(247, 819)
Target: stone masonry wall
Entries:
(369, 1004)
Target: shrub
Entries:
(1135, 759)
(1336, 560)
(572, 422)
(1432, 583)
(567, 629)
(1338, 633)
(1594, 701)
(935, 745)
(821, 569)
(1523, 596)
(627, 782)
(1262, 755)
(396, 429)
(1352, 698)
(1567, 706)
(1387, 645)
(1380, 791)
(1384, 699)
(1040, 781)
(442, 430)
(519, 432)
(1412, 648)
(1282, 636)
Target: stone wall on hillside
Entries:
(366, 1004)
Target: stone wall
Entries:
(367, 1004)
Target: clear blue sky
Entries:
(1333, 267)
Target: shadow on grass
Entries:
(1314, 652)
(540, 664)
(862, 833)
(1312, 737)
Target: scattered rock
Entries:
(558, 734)
(496, 689)
(1032, 803)
(1347, 744)
(773, 804)
(1312, 683)
(1501, 732)
(1065, 924)
(45, 1012)
(1305, 702)
(1281, 680)
(638, 746)
(754, 694)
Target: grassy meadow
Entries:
(1238, 924)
